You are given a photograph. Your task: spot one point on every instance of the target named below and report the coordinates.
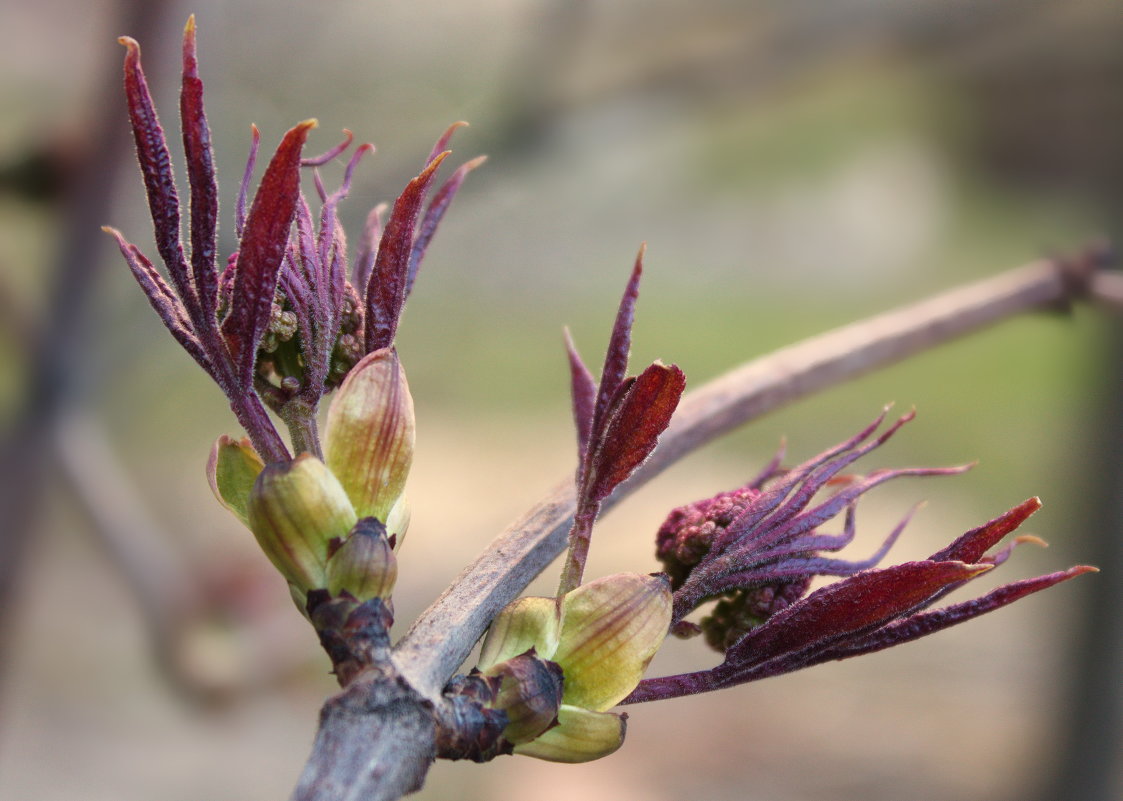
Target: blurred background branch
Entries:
(75, 184)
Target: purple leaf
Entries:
(925, 623)
(442, 144)
(805, 482)
(247, 176)
(632, 429)
(159, 182)
(619, 345)
(368, 246)
(204, 187)
(781, 532)
(584, 393)
(972, 545)
(324, 158)
(433, 215)
(162, 299)
(261, 252)
(852, 606)
(386, 291)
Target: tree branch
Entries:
(444, 634)
(442, 637)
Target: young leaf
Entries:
(262, 250)
(584, 394)
(434, 213)
(971, 546)
(858, 604)
(201, 177)
(619, 346)
(386, 291)
(159, 181)
(632, 429)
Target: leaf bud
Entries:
(530, 692)
(295, 511)
(232, 468)
(364, 565)
(580, 736)
(369, 436)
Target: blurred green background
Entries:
(791, 166)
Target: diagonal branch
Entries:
(373, 740)
(442, 637)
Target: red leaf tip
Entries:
(431, 167)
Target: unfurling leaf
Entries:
(369, 437)
(580, 736)
(232, 469)
(261, 252)
(633, 428)
(296, 509)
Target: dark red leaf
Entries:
(162, 299)
(584, 394)
(386, 291)
(619, 345)
(925, 623)
(971, 546)
(434, 213)
(201, 177)
(261, 252)
(849, 607)
(442, 143)
(633, 428)
(159, 182)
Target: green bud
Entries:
(299, 598)
(611, 628)
(364, 565)
(295, 510)
(369, 435)
(523, 624)
(580, 736)
(397, 521)
(602, 635)
(232, 468)
(530, 693)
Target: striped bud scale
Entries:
(530, 693)
(295, 511)
(364, 565)
(369, 437)
(232, 469)
(602, 635)
(580, 736)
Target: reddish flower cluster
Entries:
(285, 320)
(757, 548)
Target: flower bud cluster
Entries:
(687, 537)
(688, 532)
(600, 638)
(741, 611)
(331, 525)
